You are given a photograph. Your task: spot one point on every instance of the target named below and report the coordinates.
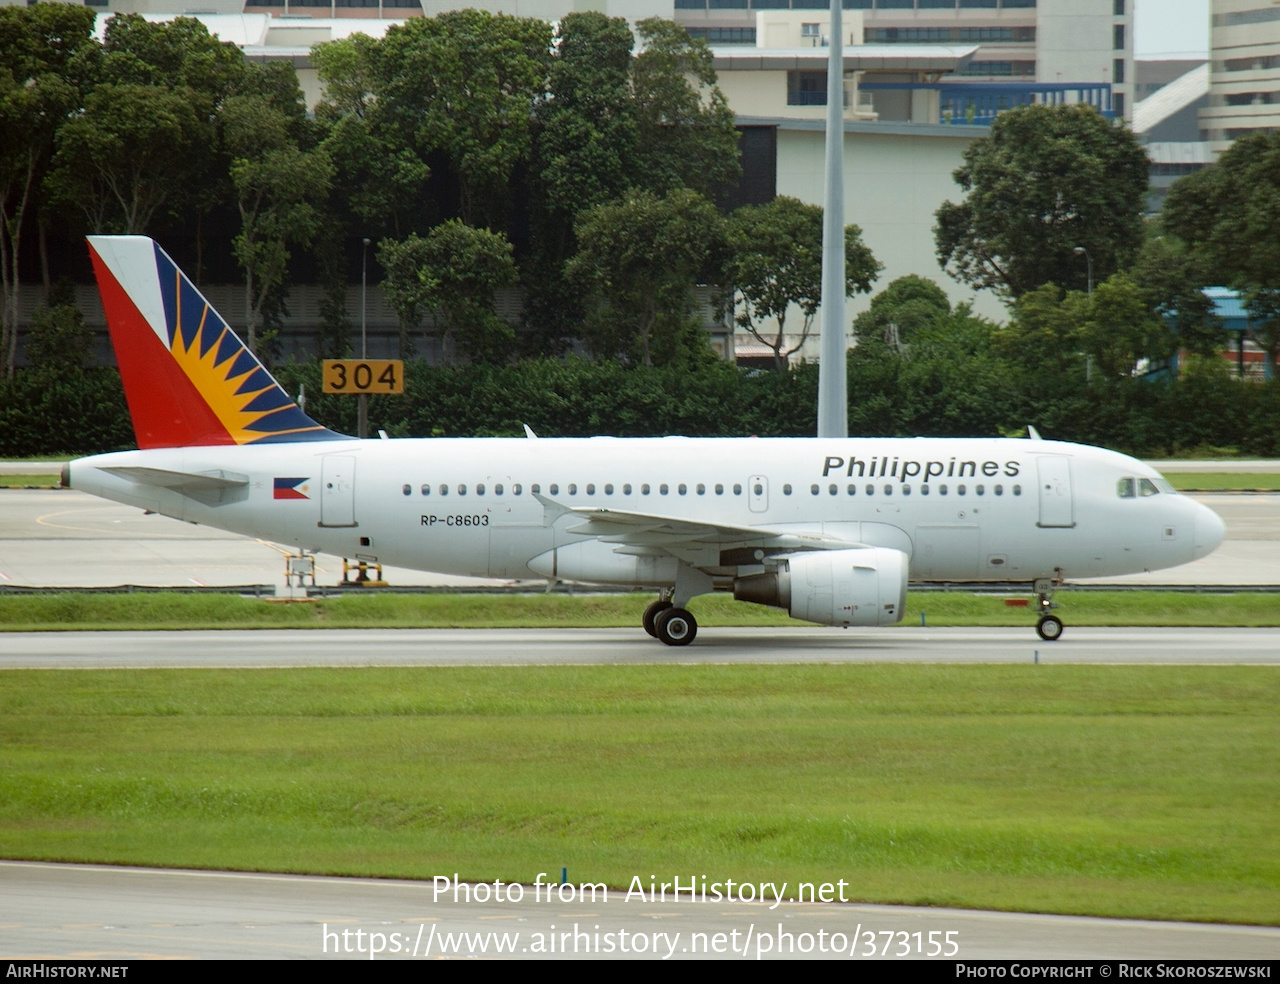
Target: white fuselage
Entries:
(960, 509)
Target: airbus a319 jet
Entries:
(830, 530)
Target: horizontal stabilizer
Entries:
(181, 481)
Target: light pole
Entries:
(362, 400)
(1079, 251)
(1088, 359)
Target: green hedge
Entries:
(85, 412)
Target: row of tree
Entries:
(479, 151)
(1053, 221)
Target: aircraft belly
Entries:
(946, 552)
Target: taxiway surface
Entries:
(99, 912)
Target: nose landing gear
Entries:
(1048, 627)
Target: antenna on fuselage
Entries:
(833, 401)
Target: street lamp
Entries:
(1079, 251)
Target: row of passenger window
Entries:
(701, 489)
(571, 489)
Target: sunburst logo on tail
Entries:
(244, 397)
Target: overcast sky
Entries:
(1171, 29)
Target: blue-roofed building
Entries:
(1229, 305)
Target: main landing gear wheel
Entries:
(1049, 627)
(675, 627)
(651, 614)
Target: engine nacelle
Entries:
(866, 586)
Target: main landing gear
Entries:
(668, 624)
(1048, 627)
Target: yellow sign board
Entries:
(363, 376)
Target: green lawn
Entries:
(57, 612)
(1120, 791)
(1223, 481)
(36, 479)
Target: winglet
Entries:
(1033, 434)
(188, 379)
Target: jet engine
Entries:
(863, 586)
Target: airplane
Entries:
(832, 530)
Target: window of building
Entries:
(806, 88)
(1118, 41)
(1117, 70)
(809, 30)
(1119, 8)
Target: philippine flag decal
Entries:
(290, 488)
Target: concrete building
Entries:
(1244, 80)
(1047, 41)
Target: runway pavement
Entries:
(534, 647)
(107, 913)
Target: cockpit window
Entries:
(1147, 487)
(1163, 485)
(1124, 488)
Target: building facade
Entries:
(1055, 42)
(1244, 80)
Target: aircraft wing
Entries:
(672, 533)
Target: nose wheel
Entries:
(1049, 628)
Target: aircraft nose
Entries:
(1210, 531)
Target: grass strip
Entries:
(1223, 481)
(27, 481)
(63, 611)
(1118, 791)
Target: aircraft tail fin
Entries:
(188, 379)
